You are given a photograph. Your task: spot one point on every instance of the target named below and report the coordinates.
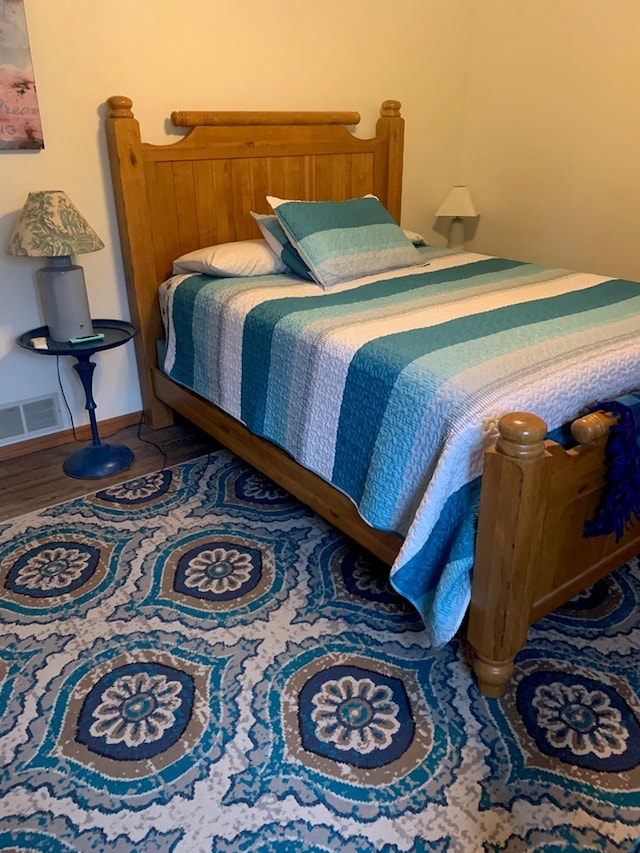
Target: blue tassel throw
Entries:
(621, 494)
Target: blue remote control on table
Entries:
(99, 336)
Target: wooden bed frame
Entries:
(531, 556)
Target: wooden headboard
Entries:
(174, 198)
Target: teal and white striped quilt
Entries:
(390, 387)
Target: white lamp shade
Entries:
(457, 203)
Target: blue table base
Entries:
(98, 460)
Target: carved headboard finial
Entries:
(390, 109)
(120, 106)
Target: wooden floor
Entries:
(32, 482)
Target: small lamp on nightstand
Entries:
(458, 205)
(51, 227)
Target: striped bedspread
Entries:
(391, 387)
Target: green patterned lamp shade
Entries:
(50, 226)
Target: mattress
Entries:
(390, 387)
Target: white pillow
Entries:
(242, 258)
(275, 236)
(416, 239)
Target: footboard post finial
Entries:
(521, 436)
(512, 506)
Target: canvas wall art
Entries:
(20, 126)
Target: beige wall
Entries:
(552, 132)
(268, 54)
(533, 105)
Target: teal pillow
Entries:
(280, 244)
(342, 240)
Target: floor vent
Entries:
(28, 418)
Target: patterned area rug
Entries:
(193, 661)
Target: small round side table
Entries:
(97, 459)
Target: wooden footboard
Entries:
(531, 554)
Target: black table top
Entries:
(116, 332)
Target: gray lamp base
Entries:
(64, 300)
(456, 234)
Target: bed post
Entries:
(510, 530)
(134, 225)
(390, 127)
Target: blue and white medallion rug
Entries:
(193, 661)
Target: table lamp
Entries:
(50, 226)
(458, 205)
